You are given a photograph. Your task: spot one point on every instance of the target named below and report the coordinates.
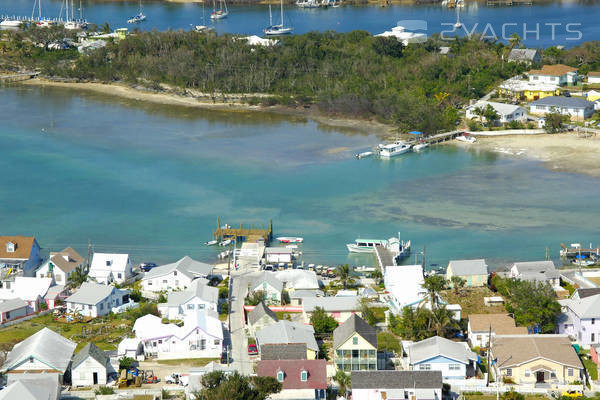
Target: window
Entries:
(570, 372)
(119, 276)
(149, 283)
(108, 263)
(8, 315)
(304, 376)
(190, 306)
(174, 273)
(508, 372)
(280, 376)
(355, 340)
(10, 247)
(89, 307)
(30, 359)
(102, 306)
(593, 337)
(593, 321)
(479, 337)
(424, 367)
(217, 342)
(454, 367)
(164, 281)
(202, 344)
(160, 341)
(553, 375)
(201, 306)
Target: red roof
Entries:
(317, 372)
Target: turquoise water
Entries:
(151, 181)
(245, 19)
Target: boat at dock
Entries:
(307, 4)
(420, 146)
(364, 268)
(10, 23)
(466, 138)
(290, 239)
(365, 245)
(225, 242)
(364, 154)
(393, 149)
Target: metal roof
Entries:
(287, 332)
(438, 346)
(32, 387)
(396, 379)
(283, 351)
(91, 293)
(331, 304)
(12, 304)
(203, 292)
(268, 277)
(89, 350)
(186, 265)
(468, 267)
(562, 101)
(260, 311)
(352, 325)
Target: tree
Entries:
(554, 121)
(256, 297)
(285, 297)
(442, 320)
(377, 275)
(220, 386)
(491, 115)
(343, 381)
(266, 385)
(366, 311)
(388, 46)
(105, 28)
(77, 277)
(344, 274)
(458, 283)
(413, 324)
(512, 395)
(321, 322)
(434, 284)
(479, 111)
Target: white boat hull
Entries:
(10, 23)
(285, 239)
(219, 16)
(466, 139)
(278, 31)
(388, 154)
(353, 248)
(420, 146)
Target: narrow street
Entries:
(241, 360)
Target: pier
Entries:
(384, 258)
(19, 76)
(437, 138)
(244, 233)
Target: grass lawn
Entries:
(591, 367)
(192, 362)
(284, 315)
(379, 313)
(471, 301)
(105, 333)
(493, 397)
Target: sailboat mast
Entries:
(282, 13)
(80, 11)
(270, 16)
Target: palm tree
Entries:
(434, 284)
(105, 28)
(344, 274)
(377, 275)
(442, 320)
(77, 277)
(343, 381)
(457, 283)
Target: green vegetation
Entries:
(284, 315)
(77, 278)
(471, 301)
(321, 322)
(567, 286)
(218, 385)
(555, 122)
(590, 366)
(343, 381)
(345, 276)
(104, 390)
(387, 341)
(126, 362)
(192, 362)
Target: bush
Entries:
(223, 292)
(508, 380)
(474, 125)
(126, 362)
(104, 390)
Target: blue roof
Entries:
(415, 133)
(561, 101)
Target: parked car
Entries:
(252, 349)
(147, 266)
(574, 394)
(176, 378)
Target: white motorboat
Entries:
(203, 28)
(225, 242)
(420, 146)
(224, 254)
(211, 242)
(10, 23)
(364, 154)
(583, 262)
(397, 247)
(466, 138)
(290, 239)
(393, 149)
(364, 268)
(291, 246)
(307, 3)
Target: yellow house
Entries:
(529, 91)
(536, 360)
(355, 345)
(474, 272)
(592, 95)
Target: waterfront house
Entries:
(404, 285)
(28, 387)
(525, 56)
(536, 360)
(12, 309)
(175, 276)
(474, 272)
(60, 265)
(558, 74)
(32, 290)
(44, 352)
(269, 285)
(300, 379)
(90, 367)
(454, 359)
(479, 327)
(283, 351)
(108, 267)
(593, 77)
(95, 300)
(581, 319)
(536, 271)
(528, 91)
(387, 385)
(574, 107)
(286, 332)
(19, 255)
(200, 336)
(355, 345)
(278, 255)
(506, 112)
(260, 317)
(340, 308)
(298, 279)
(199, 297)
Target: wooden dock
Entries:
(437, 138)
(384, 258)
(244, 233)
(17, 77)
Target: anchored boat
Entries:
(393, 149)
(289, 239)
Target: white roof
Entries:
(438, 346)
(32, 387)
(588, 307)
(278, 250)
(27, 288)
(298, 279)
(405, 37)
(151, 327)
(593, 93)
(128, 344)
(12, 304)
(99, 269)
(186, 266)
(46, 346)
(468, 267)
(518, 85)
(405, 284)
(204, 292)
(331, 304)
(284, 332)
(269, 278)
(258, 41)
(92, 293)
(501, 108)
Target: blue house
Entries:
(454, 359)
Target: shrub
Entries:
(104, 390)
(126, 362)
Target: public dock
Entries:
(18, 76)
(384, 257)
(244, 233)
(437, 138)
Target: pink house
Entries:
(594, 349)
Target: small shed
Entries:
(90, 366)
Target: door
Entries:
(539, 376)
(95, 378)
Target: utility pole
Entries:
(89, 251)
(489, 348)
(230, 286)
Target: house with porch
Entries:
(558, 74)
(19, 256)
(388, 385)
(175, 276)
(60, 265)
(455, 360)
(199, 297)
(519, 89)
(300, 379)
(580, 319)
(474, 272)
(355, 345)
(269, 285)
(95, 300)
(340, 308)
(536, 360)
(107, 268)
(576, 108)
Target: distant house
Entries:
(300, 379)
(61, 265)
(454, 359)
(132, 348)
(297, 296)
(355, 345)
(526, 56)
(479, 327)
(526, 90)
(96, 300)
(175, 276)
(90, 367)
(283, 351)
(43, 353)
(474, 272)
(581, 319)
(260, 317)
(386, 385)
(340, 308)
(269, 285)
(198, 297)
(107, 268)
(298, 279)
(12, 309)
(536, 271)
(592, 95)
(574, 107)
(534, 360)
(31, 387)
(32, 290)
(404, 284)
(558, 74)
(286, 332)
(506, 112)
(18, 255)
(201, 336)
(582, 293)
(278, 255)
(593, 77)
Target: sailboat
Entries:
(280, 29)
(203, 27)
(221, 12)
(71, 22)
(458, 24)
(138, 18)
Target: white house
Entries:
(90, 367)
(19, 255)
(269, 284)
(404, 284)
(593, 77)
(454, 359)
(558, 74)
(180, 304)
(201, 336)
(60, 265)
(386, 385)
(175, 276)
(107, 268)
(575, 107)
(132, 348)
(536, 271)
(506, 112)
(31, 387)
(12, 309)
(95, 300)
(32, 290)
(278, 255)
(298, 279)
(581, 319)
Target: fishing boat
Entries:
(280, 29)
(138, 18)
(364, 154)
(211, 242)
(393, 149)
(420, 146)
(221, 13)
(289, 239)
(398, 248)
(466, 138)
(364, 269)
